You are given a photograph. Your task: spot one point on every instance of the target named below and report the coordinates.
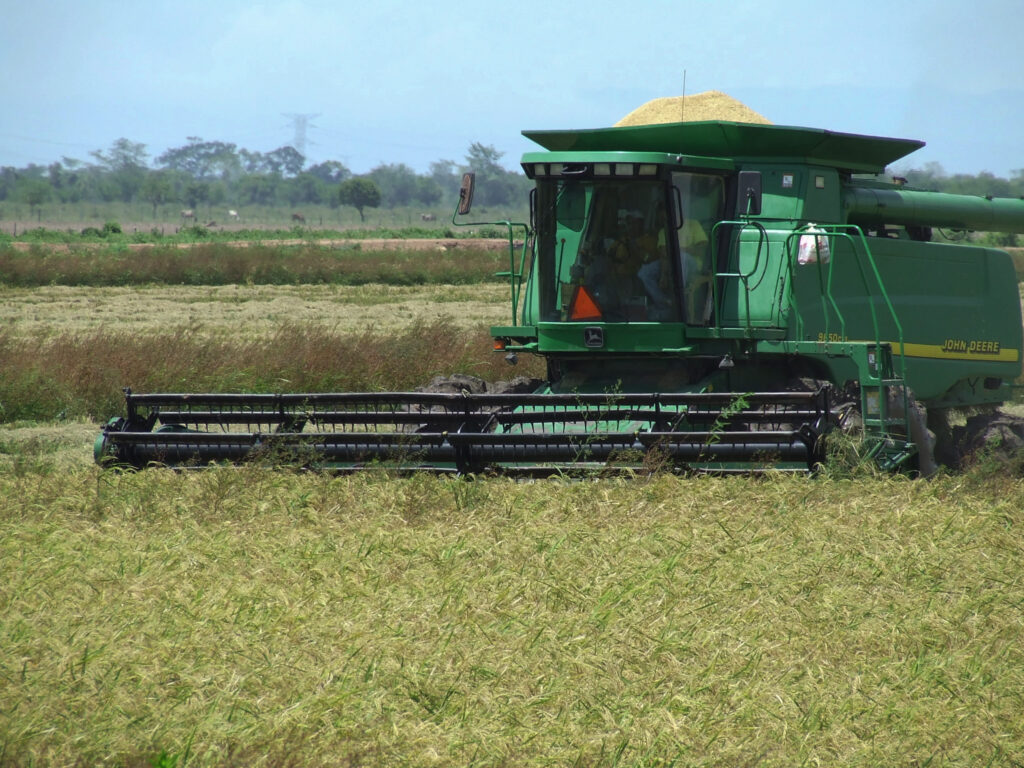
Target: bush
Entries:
(196, 230)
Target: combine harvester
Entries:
(707, 295)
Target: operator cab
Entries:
(624, 242)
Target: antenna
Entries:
(682, 101)
(301, 123)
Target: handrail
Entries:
(515, 278)
(824, 285)
(741, 276)
(862, 252)
(867, 268)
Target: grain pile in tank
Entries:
(709, 105)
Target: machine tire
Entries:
(992, 433)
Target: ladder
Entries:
(881, 363)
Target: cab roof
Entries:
(745, 141)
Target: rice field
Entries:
(260, 617)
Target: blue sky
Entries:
(401, 81)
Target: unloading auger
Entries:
(707, 296)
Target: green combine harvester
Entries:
(708, 296)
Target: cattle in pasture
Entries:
(233, 215)
(188, 215)
(428, 217)
(299, 218)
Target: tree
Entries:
(445, 174)
(195, 193)
(35, 192)
(360, 193)
(304, 188)
(123, 154)
(257, 189)
(483, 159)
(286, 160)
(397, 183)
(156, 189)
(65, 180)
(8, 181)
(494, 184)
(125, 166)
(203, 159)
(1001, 239)
(252, 162)
(428, 191)
(329, 171)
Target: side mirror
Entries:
(466, 193)
(748, 194)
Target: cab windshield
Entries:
(610, 250)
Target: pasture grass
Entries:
(112, 234)
(134, 219)
(247, 310)
(259, 263)
(263, 618)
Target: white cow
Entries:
(233, 215)
(188, 215)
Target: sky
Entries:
(417, 81)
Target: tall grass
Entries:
(113, 234)
(81, 375)
(15, 216)
(260, 618)
(224, 264)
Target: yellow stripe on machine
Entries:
(955, 349)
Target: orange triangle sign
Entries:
(583, 307)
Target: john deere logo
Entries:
(593, 336)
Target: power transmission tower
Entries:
(300, 123)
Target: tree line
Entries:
(934, 178)
(219, 173)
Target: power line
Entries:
(301, 124)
